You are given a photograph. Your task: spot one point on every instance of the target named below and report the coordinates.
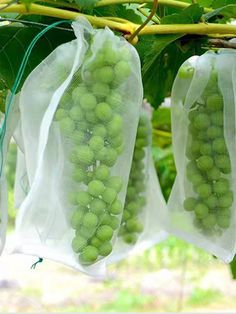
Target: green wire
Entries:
(18, 80)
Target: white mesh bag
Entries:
(79, 115)
(202, 202)
(145, 207)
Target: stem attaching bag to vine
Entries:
(202, 202)
(79, 116)
(145, 207)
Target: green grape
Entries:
(91, 117)
(205, 163)
(209, 221)
(114, 127)
(140, 143)
(83, 198)
(132, 225)
(96, 188)
(89, 255)
(223, 221)
(205, 149)
(130, 238)
(223, 163)
(109, 195)
(73, 157)
(214, 132)
(197, 179)
(190, 203)
(76, 218)
(116, 207)
(114, 100)
(214, 102)
(61, 114)
(217, 118)
(105, 219)
(78, 92)
(95, 242)
(111, 56)
(72, 198)
(99, 130)
(88, 101)
(219, 146)
(76, 113)
(115, 183)
(105, 249)
(103, 112)
(140, 187)
(116, 141)
(78, 244)
(104, 75)
(131, 193)
(96, 143)
(226, 200)
(221, 186)
(141, 201)
(85, 155)
(191, 168)
(213, 174)
(201, 210)
(102, 173)
(85, 232)
(100, 89)
(133, 207)
(79, 175)
(224, 212)
(77, 137)
(143, 131)
(211, 201)
(108, 156)
(104, 233)
(126, 215)
(97, 206)
(201, 135)
(90, 220)
(114, 223)
(204, 190)
(186, 72)
(67, 126)
(202, 121)
(122, 70)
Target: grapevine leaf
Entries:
(222, 3)
(233, 268)
(16, 39)
(228, 11)
(86, 4)
(191, 14)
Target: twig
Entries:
(221, 43)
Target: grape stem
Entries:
(126, 28)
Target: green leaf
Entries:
(14, 42)
(222, 3)
(191, 14)
(233, 268)
(228, 11)
(86, 4)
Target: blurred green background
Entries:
(172, 276)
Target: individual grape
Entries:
(211, 201)
(100, 89)
(205, 163)
(89, 255)
(104, 233)
(111, 56)
(140, 143)
(214, 132)
(140, 186)
(114, 100)
(226, 200)
(133, 207)
(97, 206)
(143, 131)
(78, 92)
(67, 126)
(126, 215)
(201, 210)
(95, 242)
(197, 179)
(78, 244)
(201, 135)
(90, 116)
(77, 137)
(108, 156)
(130, 238)
(103, 112)
(104, 75)
(99, 130)
(191, 168)
(85, 154)
(190, 203)
(213, 174)
(224, 212)
(96, 188)
(109, 195)
(114, 223)
(122, 70)
(116, 141)
(221, 186)
(214, 102)
(61, 114)
(131, 193)
(72, 198)
(73, 157)
(202, 121)
(205, 149)
(186, 72)
(88, 101)
(90, 220)
(204, 190)
(116, 207)
(209, 221)
(76, 113)
(217, 118)
(125, 54)
(115, 183)
(85, 232)
(76, 218)
(105, 249)
(219, 146)
(223, 163)
(102, 173)
(79, 175)
(83, 198)
(96, 143)
(114, 127)
(223, 221)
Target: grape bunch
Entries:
(90, 117)
(131, 224)
(209, 166)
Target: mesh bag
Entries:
(145, 207)
(201, 205)
(79, 115)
